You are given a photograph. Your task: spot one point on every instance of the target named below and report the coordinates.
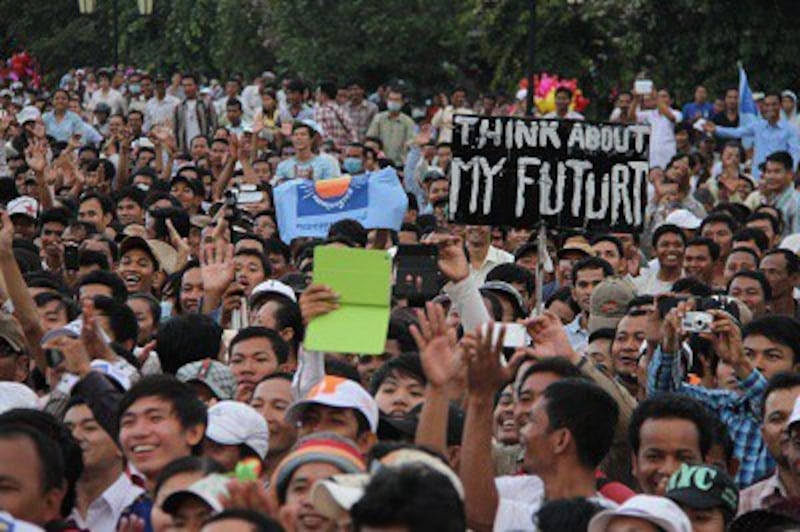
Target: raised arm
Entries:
(485, 376)
(24, 306)
(441, 362)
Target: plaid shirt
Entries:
(741, 412)
(361, 115)
(336, 124)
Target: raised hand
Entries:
(36, 155)
(216, 266)
(726, 338)
(436, 343)
(6, 234)
(317, 300)
(549, 337)
(485, 373)
(452, 259)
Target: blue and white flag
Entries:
(748, 110)
(308, 208)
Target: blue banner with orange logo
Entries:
(308, 208)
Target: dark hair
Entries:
(250, 252)
(693, 286)
(287, 315)
(784, 330)
(121, 319)
(187, 338)
(749, 251)
(349, 229)
(59, 215)
(756, 276)
(344, 369)
(328, 88)
(671, 406)
(118, 289)
(781, 157)
(132, 193)
(258, 521)
(274, 245)
(588, 412)
(43, 298)
(564, 90)
(751, 233)
(52, 467)
(591, 263)
(189, 410)
(563, 294)
(609, 238)
(510, 272)
(719, 217)
(233, 102)
(69, 449)
(566, 514)
(405, 364)
(558, 365)
(412, 496)
(763, 215)
(720, 436)
(90, 257)
(187, 464)
(278, 344)
(792, 262)
(106, 204)
(713, 247)
(667, 229)
(780, 381)
(496, 308)
(605, 333)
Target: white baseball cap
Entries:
(207, 489)
(683, 219)
(28, 113)
(16, 395)
(337, 392)
(23, 205)
(235, 423)
(277, 287)
(659, 511)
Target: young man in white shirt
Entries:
(662, 120)
(566, 433)
(103, 490)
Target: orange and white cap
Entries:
(337, 392)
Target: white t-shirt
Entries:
(662, 135)
(192, 124)
(648, 283)
(520, 498)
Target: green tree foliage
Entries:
(606, 43)
(415, 40)
(430, 44)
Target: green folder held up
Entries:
(362, 278)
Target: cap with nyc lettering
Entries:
(704, 487)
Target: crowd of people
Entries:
(153, 370)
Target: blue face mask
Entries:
(134, 88)
(353, 165)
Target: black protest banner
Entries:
(519, 171)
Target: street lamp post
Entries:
(87, 7)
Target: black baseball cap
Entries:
(703, 487)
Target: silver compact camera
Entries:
(697, 322)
